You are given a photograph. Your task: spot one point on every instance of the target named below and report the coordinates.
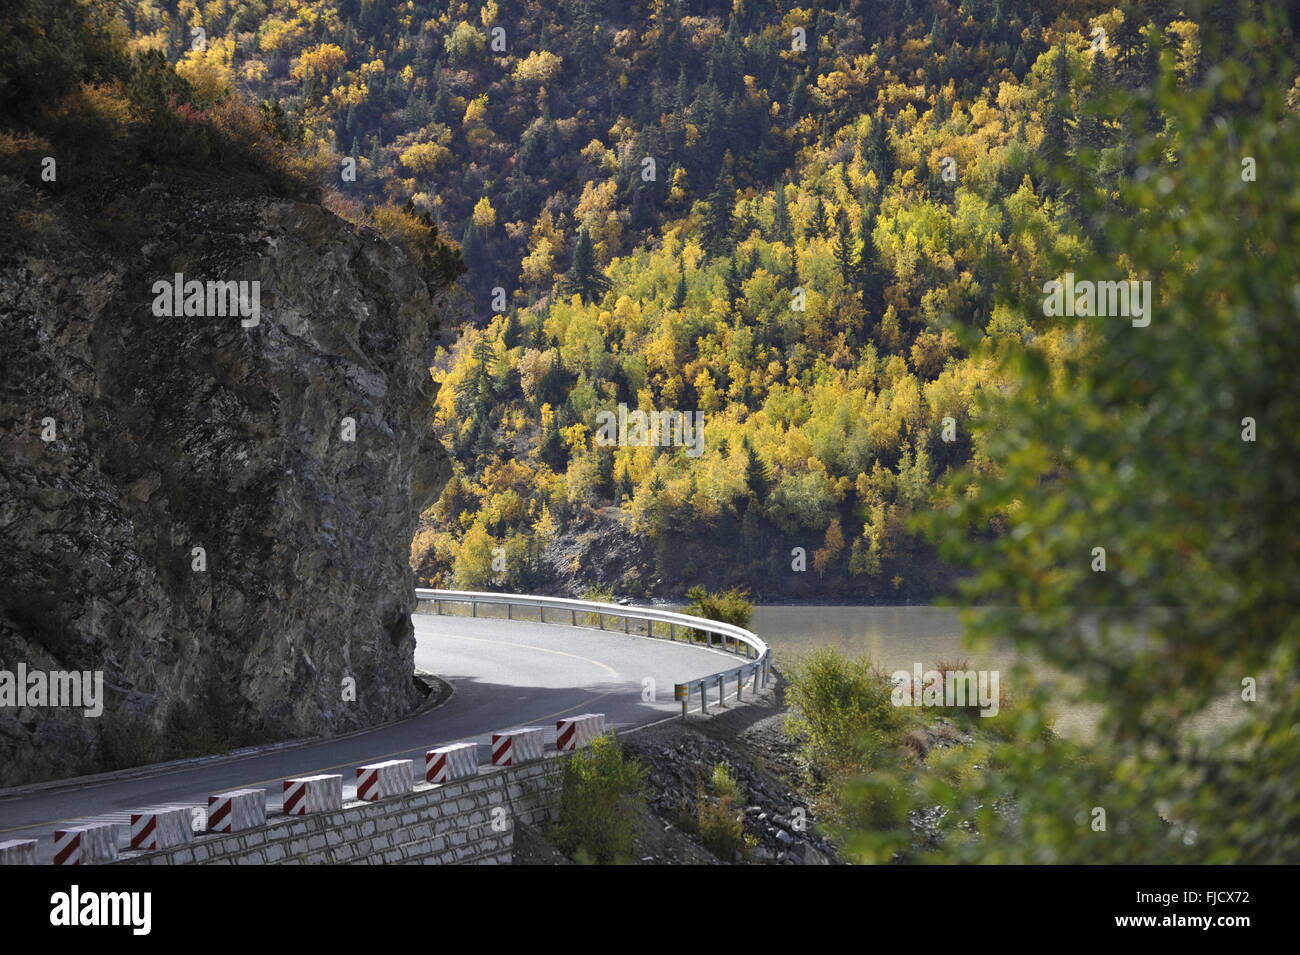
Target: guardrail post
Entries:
(627, 624)
(601, 618)
(672, 631)
(437, 607)
(473, 608)
(573, 617)
(722, 690)
(704, 697)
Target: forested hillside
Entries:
(796, 221)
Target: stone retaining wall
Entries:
(466, 821)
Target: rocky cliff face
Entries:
(131, 439)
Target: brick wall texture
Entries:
(459, 822)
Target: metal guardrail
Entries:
(714, 633)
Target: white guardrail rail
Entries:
(642, 621)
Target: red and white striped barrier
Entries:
(312, 794)
(574, 732)
(446, 763)
(381, 780)
(517, 746)
(18, 852)
(161, 828)
(86, 845)
(237, 810)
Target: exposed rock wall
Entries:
(181, 432)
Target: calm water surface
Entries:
(896, 638)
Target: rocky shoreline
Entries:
(750, 741)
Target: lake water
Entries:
(896, 638)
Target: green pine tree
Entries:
(585, 277)
(868, 271)
(781, 229)
(679, 294)
(717, 227)
(844, 248)
(819, 223)
(757, 475)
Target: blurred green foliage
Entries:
(1138, 440)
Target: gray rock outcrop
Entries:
(177, 433)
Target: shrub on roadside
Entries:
(602, 800)
(720, 825)
(729, 606)
(725, 785)
(843, 710)
(721, 830)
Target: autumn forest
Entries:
(804, 223)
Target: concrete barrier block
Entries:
(313, 794)
(574, 732)
(446, 763)
(237, 810)
(18, 852)
(86, 845)
(394, 777)
(161, 828)
(512, 747)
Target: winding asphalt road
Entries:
(505, 674)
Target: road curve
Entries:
(505, 673)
